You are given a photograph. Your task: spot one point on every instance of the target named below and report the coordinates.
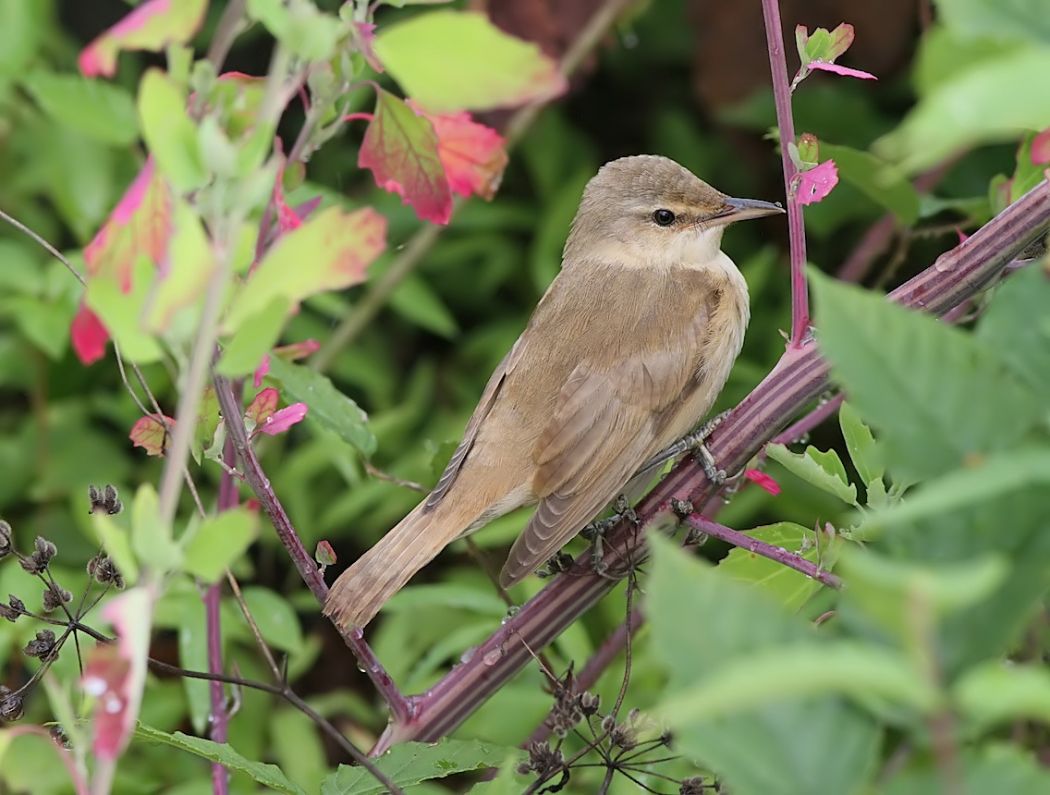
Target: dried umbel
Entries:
(42, 646)
(105, 500)
(43, 552)
(542, 760)
(692, 786)
(103, 570)
(55, 596)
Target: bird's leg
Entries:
(693, 442)
(595, 532)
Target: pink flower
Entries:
(284, 419)
(818, 182)
(762, 480)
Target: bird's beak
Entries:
(742, 209)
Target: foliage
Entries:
(316, 216)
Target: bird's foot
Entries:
(595, 532)
(693, 443)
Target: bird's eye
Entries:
(663, 217)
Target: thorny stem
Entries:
(786, 125)
(400, 708)
(798, 377)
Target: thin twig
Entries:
(400, 707)
(780, 555)
(786, 125)
(231, 24)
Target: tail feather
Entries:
(361, 590)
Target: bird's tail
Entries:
(382, 571)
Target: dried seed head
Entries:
(10, 705)
(543, 760)
(589, 703)
(9, 613)
(103, 570)
(42, 646)
(105, 500)
(44, 549)
(623, 736)
(691, 786)
(55, 596)
(58, 734)
(5, 539)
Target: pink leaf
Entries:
(89, 336)
(815, 184)
(1041, 148)
(152, 26)
(140, 224)
(472, 154)
(116, 673)
(762, 480)
(364, 34)
(297, 350)
(284, 419)
(841, 70)
(150, 434)
(263, 406)
(261, 371)
(400, 148)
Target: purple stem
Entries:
(744, 541)
(220, 718)
(786, 125)
(799, 376)
(237, 434)
(809, 422)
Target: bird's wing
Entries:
(485, 404)
(607, 420)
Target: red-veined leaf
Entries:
(152, 26)
(472, 154)
(150, 434)
(400, 148)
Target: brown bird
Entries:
(625, 353)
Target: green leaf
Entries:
(703, 622)
(975, 107)
(300, 27)
(823, 470)
(506, 782)
(458, 60)
(878, 180)
(889, 591)
(277, 620)
(328, 406)
(999, 769)
(152, 26)
(937, 396)
(190, 264)
(1004, 19)
(297, 747)
(117, 544)
(100, 110)
(45, 323)
(253, 339)
(218, 541)
(415, 301)
(330, 251)
(448, 594)
(986, 479)
(860, 443)
(193, 655)
(121, 311)
(998, 692)
(1017, 326)
(151, 539)
(268, 775)
(792, 588)
(410, 763)
(785, 673)
(169, 131)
